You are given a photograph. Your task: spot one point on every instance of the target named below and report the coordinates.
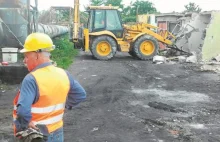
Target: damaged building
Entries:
(197, 33)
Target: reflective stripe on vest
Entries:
(15, 107)
(50, 120)
(46, 109)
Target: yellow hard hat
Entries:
(38, 42)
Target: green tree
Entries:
(114, 3)
(106, 2)
(192, 7)
(138, 7)
(96, 2)
(143, 7)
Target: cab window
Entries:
(113, 21)
(99, 22)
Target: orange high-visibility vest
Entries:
(53, 84)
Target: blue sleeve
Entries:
(28, 96)
(76, 94)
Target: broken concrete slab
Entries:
(191, 37)
(159, 59)
(182, 59)
(191, 59)
(217, 58)
(212, 41)
(211, 67)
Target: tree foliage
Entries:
(143, 7)
(106, 2)
(114, 3)
(192, 7)
(138, 7)
(96, 2)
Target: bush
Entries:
(64, 53)
(129, 19)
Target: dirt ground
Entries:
(136, 101)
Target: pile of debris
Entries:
(175, 59)
(213, 65)
(196, 34)
(199, 35)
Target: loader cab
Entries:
(105, 20)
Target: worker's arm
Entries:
(76, 94)
(28, 96)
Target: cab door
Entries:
(113, 23)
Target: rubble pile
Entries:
(197, 34)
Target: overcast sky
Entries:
(164, 6)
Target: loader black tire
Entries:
(132, 53)
(146, 47)
(103, 47)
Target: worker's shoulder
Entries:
(29, 78)
(63, 70)
(70, 76)
(60, 69)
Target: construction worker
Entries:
(44, 94)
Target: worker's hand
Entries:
(31, 125)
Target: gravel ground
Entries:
(129, 100)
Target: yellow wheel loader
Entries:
(106, 35)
